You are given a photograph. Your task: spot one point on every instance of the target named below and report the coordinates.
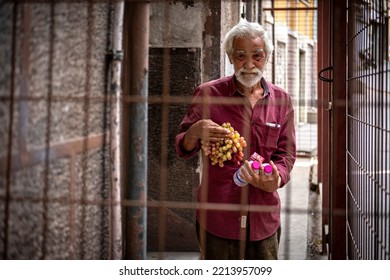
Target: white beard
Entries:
(249, 80)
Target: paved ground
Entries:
(301, 208)
(300, 218)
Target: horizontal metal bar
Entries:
(291, 9)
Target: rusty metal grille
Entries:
(87, 164)
(57, 146)
(368, 120)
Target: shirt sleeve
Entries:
(285, 155)
(194, 114)
(181, 152)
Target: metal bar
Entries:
(338, 132)
(291, 9)
(115, 139)
(86, 107)
(386, 139)
(48, 132)
(324, 54)
(10, 134)
(249, 10)
(273, 40)
(24, 109)
(166, 87)
(136, 125)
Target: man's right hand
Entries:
(206, 130)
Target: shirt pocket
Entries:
(268, 134)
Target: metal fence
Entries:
(87, 165)
(368, 122)
(59, 133)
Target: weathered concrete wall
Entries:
(175, 25)
(174, 71)
(52, 205)
(230, 15)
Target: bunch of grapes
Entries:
(229, 148)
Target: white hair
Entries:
(246, 29)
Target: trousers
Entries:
(217, 248)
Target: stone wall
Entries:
(54, 165)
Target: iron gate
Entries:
(368, 123)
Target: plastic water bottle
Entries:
(267, 169)
(237, 176)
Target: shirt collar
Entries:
(263, 84)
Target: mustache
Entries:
(244, 71)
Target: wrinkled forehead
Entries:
(248, 44)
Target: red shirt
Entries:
(269, 130)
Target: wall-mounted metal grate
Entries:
(368, 120)
(58, 115)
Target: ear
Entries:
(230, 59)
